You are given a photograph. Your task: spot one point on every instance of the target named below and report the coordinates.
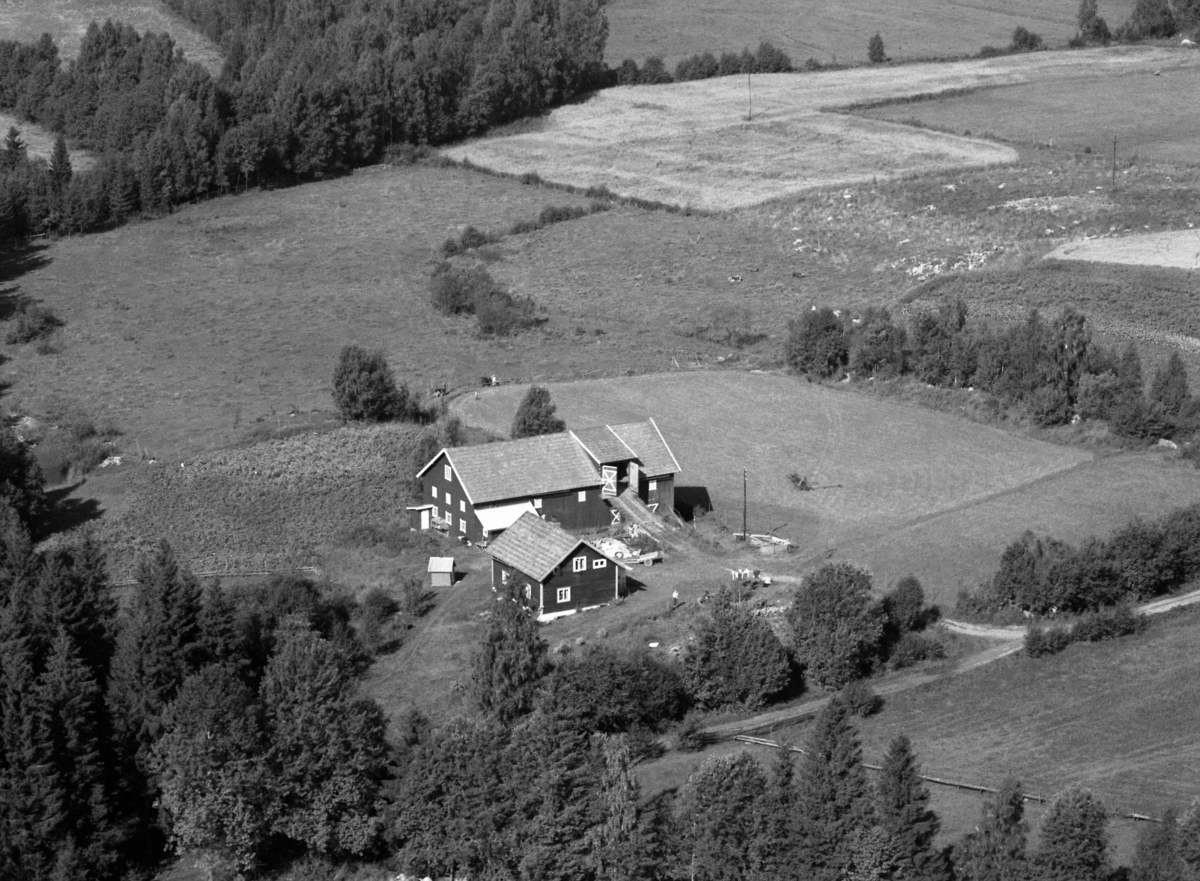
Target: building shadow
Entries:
(691, 501)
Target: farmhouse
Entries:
(557, 573)
(477, 492)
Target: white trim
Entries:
(650, 419)
(579, 564)
(600, 563)
(562, 595)
(581, 496)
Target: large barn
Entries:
(557, 573)
(479, 491)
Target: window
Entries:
(583, 495)
(653, 485)
(564, 595)
(433, 491)
(435, 512)
(529, 593)
(537, 503)
(504, 577)
(599, 564)
(446, 472)
(462, 524)
(462, 506)
(579, 564)
(449, 504)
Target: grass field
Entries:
(1139, 108)
(691, 144)
(1176, 250)
(918, 491)
(835, 31)
(67, 21)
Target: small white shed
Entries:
(441, 571)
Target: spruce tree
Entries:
(1074, 842)
(72, 593)
(614, 842)
(218, 628)
(365, 389)
(995, 851)
(21, 481)
(60, 164)
(775, 849)
(13, 155)
(1170, 386)
(903, 812)
(833, 795)
(535, 415)
(510, 663)
(719, 812)
(1189, 838)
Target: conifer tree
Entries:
(13, 155)
(535, 415)
(60, 164)
(614, 842)
(510, 664)
(1189, 838)
(1074, 844)
(218, 628)
(719, 811)
(1170, 386)
(72, 593)
(995, 851)
(903, 812)
(776, 850)
(21, 480)
(833, 796)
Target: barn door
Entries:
(633, 478)
(608, 473)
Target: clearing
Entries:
(832, 32)
(691, 144)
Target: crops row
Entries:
(271, 505)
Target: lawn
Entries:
(707, 145)
(835, 32)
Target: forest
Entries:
(308, 89)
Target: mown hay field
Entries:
(835, 32)
(67, 21)
(691, 144)
(910, 490)
(1143, 108)
(1179, 249)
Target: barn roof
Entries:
(534, 546)
(603, 446)
(647, 442)
(531, 466)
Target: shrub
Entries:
(536, 415)
(1043, 641)
(612, 691)
(1108, 623)
(913, 648)
(376, 608)
(697, 67)
(1150, 19)
(860, 699)
(1024, 40)
(770, 59)
(501, 314)
(364, 388)
(628, 74)
(654, 72)
(729, 64)
(1092, 28)
(817, 343)
(875, 51)
(456, 291)
(33, 323)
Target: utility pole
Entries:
(1114, 174)
(745, 533)
(749, 99)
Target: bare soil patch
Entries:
(1179, 249)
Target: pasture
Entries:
(1140, 108)
(731, 142)
(67, 21)
(837, 32)
(910, 490)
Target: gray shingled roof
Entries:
(532, 466)
(604, 446)
(534, 546)
(647, 441)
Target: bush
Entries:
(376, 608)
(1024, 40)
(1043, 641)
(697, 67)
(628, 74)
(913, 648)
(1150, 19)
(1108, 623)
(33, 323)
(817, 343)
(502, 314)
(612, 691)
(860, 699)
(875, 51)
(654, 72)
(770, 59)
(364, 388)
(455, 291)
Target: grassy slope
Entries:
(828, 31)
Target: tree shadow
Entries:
(17, 260)
(64, 512)
(12, 301)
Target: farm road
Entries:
(1013, 642)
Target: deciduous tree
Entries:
(1074, 843)
(836, 625)
(365, 389)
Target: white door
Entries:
(425, 519)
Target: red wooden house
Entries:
(557, 573)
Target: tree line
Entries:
(1048, 369)
(307, 90)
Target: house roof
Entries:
(441, 564)
(647, 442)
(529, 467)
(603, 446)
(535, 546)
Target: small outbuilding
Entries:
(557, 573)
(441, 571)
